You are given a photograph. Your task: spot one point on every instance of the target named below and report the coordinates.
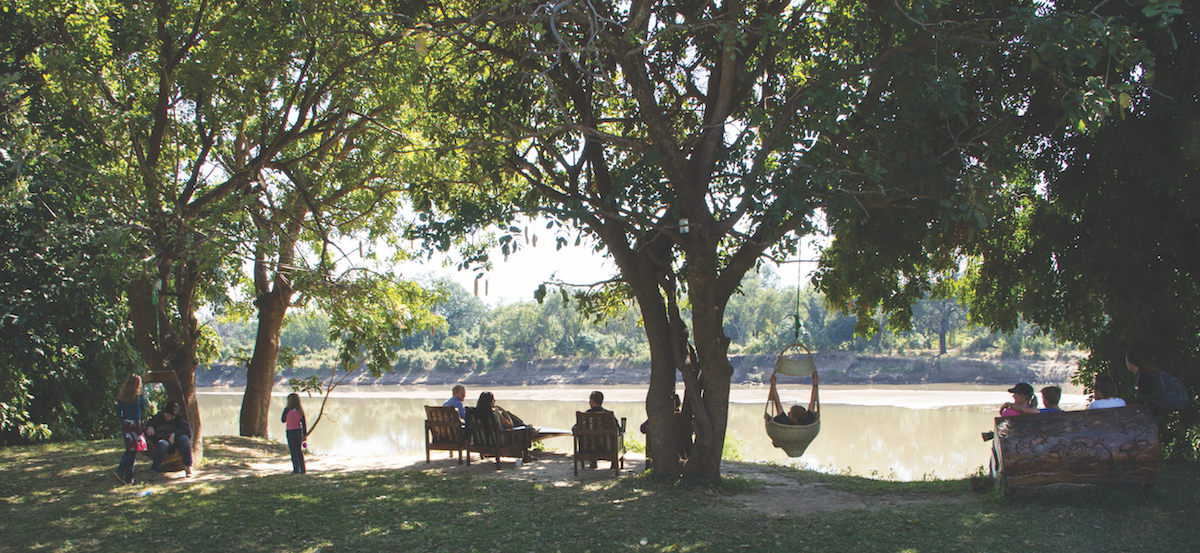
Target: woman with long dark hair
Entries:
(297, 431)
(131, 406)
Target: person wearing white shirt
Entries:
(1105, 392)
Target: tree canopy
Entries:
(693, 138)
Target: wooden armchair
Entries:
(444, 432)
(486, 437)
(599, 437)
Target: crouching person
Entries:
(167, 432)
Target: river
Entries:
(889, 432)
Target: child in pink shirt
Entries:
(297, 431)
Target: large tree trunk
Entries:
(166, 344)
(260, 374)
(273, 297)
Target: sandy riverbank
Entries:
(934, 396)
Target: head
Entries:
(1105, 387)
(171, 411)
(1051, 395)
(459, 391)
(797, 414)
(486, 401)
(596, 399)
(1022, 393)
(131, 389)
(1137, 360)
(293, 402)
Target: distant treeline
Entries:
(760, 320)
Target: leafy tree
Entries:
(939, 317)
(690, 139)
(66, 339)
(1106, 254)
(191, 104)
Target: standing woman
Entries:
(131, 405)
(297, 431)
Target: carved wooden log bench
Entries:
(1101, 446)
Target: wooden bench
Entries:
(444, 432)
(598, 437)
(486, 437)
(1101, 446)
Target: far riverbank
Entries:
(749, 370)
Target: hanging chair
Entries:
(173, 462)
(793, 439)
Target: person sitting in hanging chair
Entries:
(797, 415)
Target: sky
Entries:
(515, 279)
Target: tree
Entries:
(691, 139)
(1106, 255)
(940, 317)
(66, 339)
(184, 99)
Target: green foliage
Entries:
(1104, 252)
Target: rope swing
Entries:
(793, 439)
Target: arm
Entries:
(813, 401)
(283, 419)
(505, 421)
(1023, 409)
(1148, 387)
(773, 396)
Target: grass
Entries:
(61, 497)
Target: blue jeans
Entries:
(183, 443)
(125, 468)
(295, 438)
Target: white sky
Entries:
(515, 279)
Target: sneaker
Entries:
(120, 479)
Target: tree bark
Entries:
(171, 345)
(260, 373)
(274, 299)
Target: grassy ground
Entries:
(61, 497)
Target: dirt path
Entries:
(234, 457)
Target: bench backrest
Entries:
(597, 432)
(444, 425)
(1092, 446)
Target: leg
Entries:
(293, 438)
(125, 468)
(160, 452)
(184, 444)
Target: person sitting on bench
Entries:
(1051, 395)
(1105, 396)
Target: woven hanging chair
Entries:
(793, 439)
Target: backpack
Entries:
(1176, 397)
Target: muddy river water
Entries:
(892, 432)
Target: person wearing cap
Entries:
(1105, 393)
(1051, 395)
(167, 432)
(1022, 396)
